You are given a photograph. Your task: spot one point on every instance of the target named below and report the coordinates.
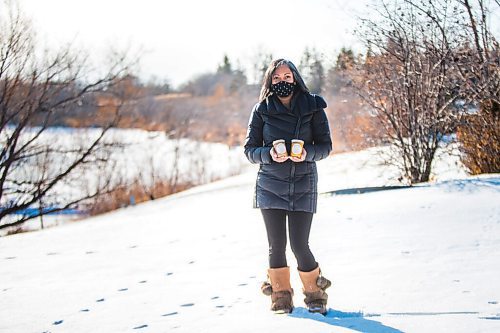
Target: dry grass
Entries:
(137, 193)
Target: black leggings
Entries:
(299, 226)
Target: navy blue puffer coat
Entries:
(289, 185)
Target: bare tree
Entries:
(178, 140)
(35, 88)
(411, 79)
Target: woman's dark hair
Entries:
(265, 91)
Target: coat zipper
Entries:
(292, 171)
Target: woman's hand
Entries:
(301, 158)
(275, 157)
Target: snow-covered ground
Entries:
(420, 259)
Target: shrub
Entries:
(125, 196)
(479, 138)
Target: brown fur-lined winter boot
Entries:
(279, 288)
(314, 290)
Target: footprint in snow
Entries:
(139, 327)
(170, 314)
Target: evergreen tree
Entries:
(225, 67)
(312, 70)
(345, 60)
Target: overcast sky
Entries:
(180, 39)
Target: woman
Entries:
(287, 185)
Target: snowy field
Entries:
(135, 155)
(420, 259)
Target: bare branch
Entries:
(35, 90)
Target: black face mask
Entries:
(283, 88)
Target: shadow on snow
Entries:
(356, 321)
(454, 185)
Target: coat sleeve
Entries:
(322, 144)
(255, 150)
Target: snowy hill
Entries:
(420, 259)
